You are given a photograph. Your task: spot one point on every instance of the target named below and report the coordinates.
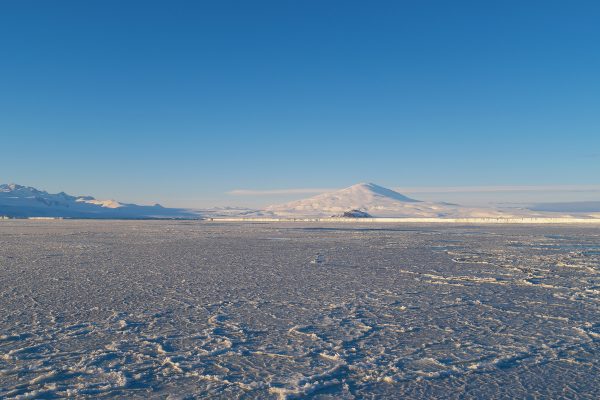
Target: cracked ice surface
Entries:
(155, 309)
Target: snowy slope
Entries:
(375, 200)
(24, 201)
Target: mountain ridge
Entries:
(19, 201)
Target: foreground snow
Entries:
(152, 309)
(447, 221)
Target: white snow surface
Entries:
(101, 203)
(206, 310)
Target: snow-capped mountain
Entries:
(25, 201)
(376, 201)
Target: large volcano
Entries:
(374, 200)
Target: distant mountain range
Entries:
(19, 201)
(358, 201)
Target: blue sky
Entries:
(182, 102)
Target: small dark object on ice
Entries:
(354, 214)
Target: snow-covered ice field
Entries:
(163, 309)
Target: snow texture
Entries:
(186, 309)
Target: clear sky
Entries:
(182, 102)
